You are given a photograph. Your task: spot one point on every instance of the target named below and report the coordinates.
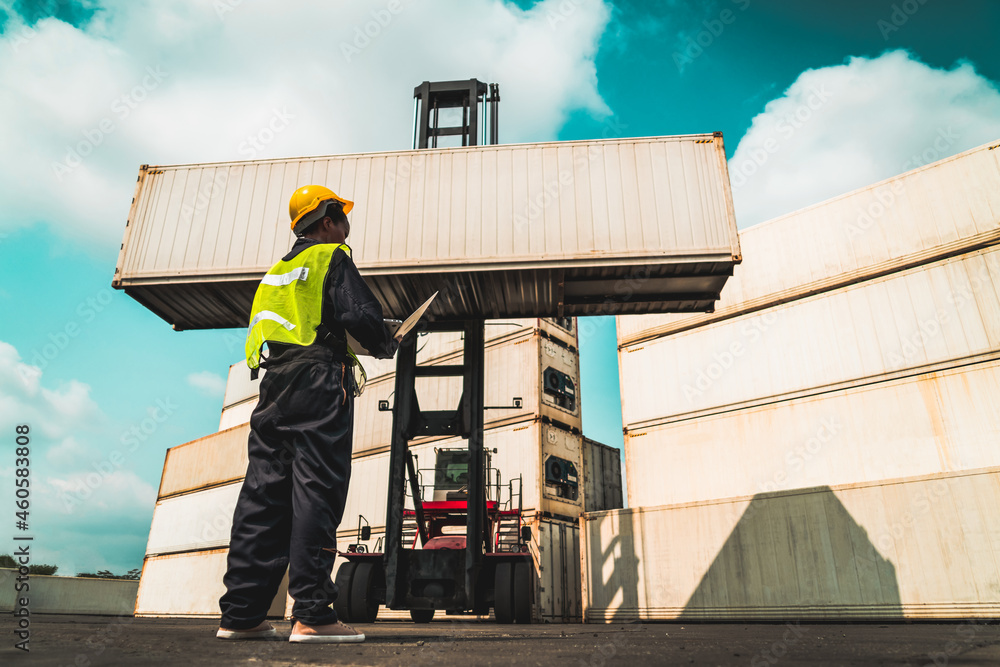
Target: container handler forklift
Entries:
(361, 578)
(484, 568)
(436, 568)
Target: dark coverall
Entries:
(300, 444)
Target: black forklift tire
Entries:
(484, 587)
(344, 580)
(523, 592)
(503, 593)
(422, 615)
(364, 604)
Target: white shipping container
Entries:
(238, 414)
(189, 585)
(920, 547)
(555, 547)
(928, 213)
(602, 476)
(193, 521)
(216, 459)
(239, 387)
(918, 320)
(514, 368)
(242, 393)
(465, 221)
(523, 449)
(931, 423)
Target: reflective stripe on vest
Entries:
(300, 273)
(274, 317)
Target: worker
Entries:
(293, 496)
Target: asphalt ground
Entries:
(82, 641)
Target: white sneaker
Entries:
(262, 631)
(334, 633)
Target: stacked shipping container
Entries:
(859, 343)
(189, 535)
(201, 479)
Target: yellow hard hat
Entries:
(307, 199)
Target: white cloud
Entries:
(92, 509)
(56, 413)
(208, 383)
(844, 127)
(191, 80)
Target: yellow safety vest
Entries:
(288, 305)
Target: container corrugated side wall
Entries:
(465, 204)
(923, 319)
(602, 474)
(216, 459)
(902, 549)
(947, 207)
(190, 585)
(202, 519)
(930, 423)
(515, 367)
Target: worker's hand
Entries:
(399, 339)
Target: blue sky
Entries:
(814, 99)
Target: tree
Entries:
(6, 560)
(107, 574)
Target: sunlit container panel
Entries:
(948, 207)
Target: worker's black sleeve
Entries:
(355, 308)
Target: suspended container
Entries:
(532, 230)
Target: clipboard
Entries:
(395, 326)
